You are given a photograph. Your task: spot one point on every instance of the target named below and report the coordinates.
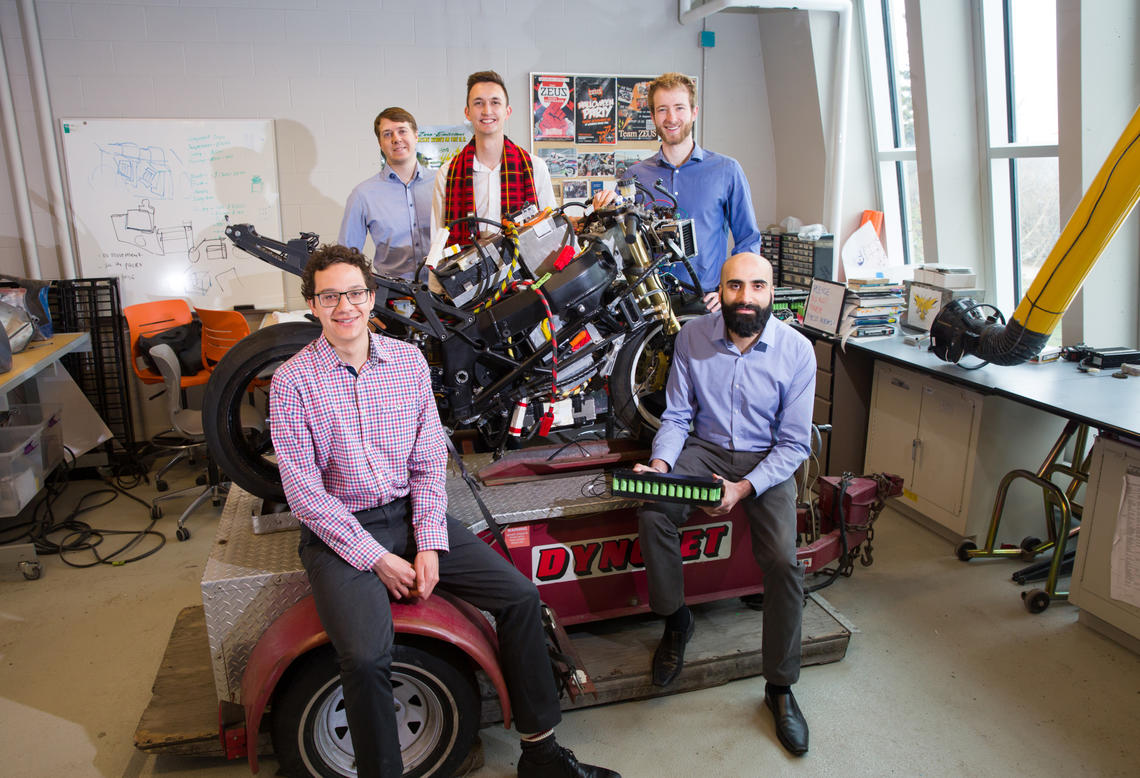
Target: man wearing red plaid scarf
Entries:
(491, 176)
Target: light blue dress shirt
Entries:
(761, 400)
(396, 215)
(711, 190)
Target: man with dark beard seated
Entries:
(744, 382)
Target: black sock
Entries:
(544, 750)
(679, 619)
(777, 689)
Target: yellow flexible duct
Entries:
(1104, 207)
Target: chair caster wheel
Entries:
(964, 549)
(182, 533)
(200, 480)
(1036, 600)
(156, 511)
(161, 485)
(1027, 545)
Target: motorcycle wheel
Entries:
(637, 384)
(437, 712)
(245, 457)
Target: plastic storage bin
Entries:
(21, 467)
(46, 415)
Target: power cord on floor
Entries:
(81, 537)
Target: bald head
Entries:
(746, 267)
(746, 294)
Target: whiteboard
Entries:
(149, 197)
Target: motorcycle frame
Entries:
(528, 374)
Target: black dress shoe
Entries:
(559, 763)
(669, 657)
(791, 726)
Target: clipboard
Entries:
(824, 307)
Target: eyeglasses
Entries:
(332, 299)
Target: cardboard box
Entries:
(925, 301)
(945, 276)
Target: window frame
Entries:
(879, 33)
(1001, 211)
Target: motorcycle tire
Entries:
(437, 712)
(637, 383)
(242, 456)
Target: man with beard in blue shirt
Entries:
(744, 383)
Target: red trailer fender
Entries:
(298, 631)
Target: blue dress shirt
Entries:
(711, 190)
(761, 400)
(396, 215)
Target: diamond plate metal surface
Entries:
(248, 582)
(251, 579)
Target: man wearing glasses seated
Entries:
(362, 457)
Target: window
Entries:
(888, 63)
(1019, 68)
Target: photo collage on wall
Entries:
(589, 129)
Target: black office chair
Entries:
(188, 435)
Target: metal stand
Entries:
(1060, 510)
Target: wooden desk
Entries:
(37, 357)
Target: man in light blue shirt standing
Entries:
(710, 188)
(393, 206)
(745, 383)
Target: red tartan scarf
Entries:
(516, 186)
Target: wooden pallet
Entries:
(182, 717)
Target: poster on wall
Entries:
(624, 159)
(594, 105)
(562, 161)
(634, 119)
(596, 163)
(438, 143)
(553, 107)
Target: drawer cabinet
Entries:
(842, 395)
(952, 446)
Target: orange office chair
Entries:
(220, 331)
(148, 319)
(158, 316)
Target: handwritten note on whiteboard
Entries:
(824, 305)
(149, 199)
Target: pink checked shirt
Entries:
(347, 443)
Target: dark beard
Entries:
(745, 325)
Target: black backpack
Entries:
(185, 340)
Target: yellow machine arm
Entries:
(959, 329)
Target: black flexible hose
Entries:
(841, 561)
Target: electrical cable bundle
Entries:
(80, 536)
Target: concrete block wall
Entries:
(323, 69)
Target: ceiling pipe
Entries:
(46, 127)
(19, 178)
(837, 136)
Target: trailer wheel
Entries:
(437, 708)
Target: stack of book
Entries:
(871, 307)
